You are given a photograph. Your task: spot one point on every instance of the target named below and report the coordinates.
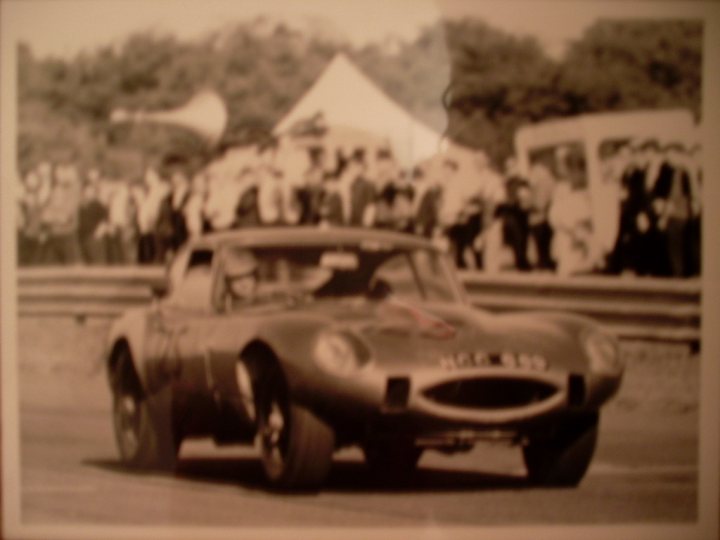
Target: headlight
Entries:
(339, 354)
(603, 352)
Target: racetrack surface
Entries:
(645, 469)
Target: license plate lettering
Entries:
(510, 360)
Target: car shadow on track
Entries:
(344, 477)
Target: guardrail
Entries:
(633, 308)
(657, 309)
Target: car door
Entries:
(178, 323)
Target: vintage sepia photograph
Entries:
(353, 268)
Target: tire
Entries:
(392, 459)
(296, 446)
(140, 441)
(563, 458)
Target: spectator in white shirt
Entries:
(118, 223)
(194, 217)
(223, 195)
(570, 216)
(471, 191)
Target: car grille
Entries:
(494, 393)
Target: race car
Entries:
(304, 340)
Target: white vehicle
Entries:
(586, 135)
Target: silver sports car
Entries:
(305, 340)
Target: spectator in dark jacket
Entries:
(427, 197)
(514, 215)
(311, 194)
(350, 199)
(172, 228)
(247, 211)
(672, 204)
(91, 220)
(635, 246)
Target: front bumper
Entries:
(485, 398)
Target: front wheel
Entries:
(562, 458)
(296, 446)
(140, 441)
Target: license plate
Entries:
(468, 360)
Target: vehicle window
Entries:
(177, 268)
(565, 161)
(193, 289)
(397, 273)
(254, 276)
(433, 277)
(200, 257)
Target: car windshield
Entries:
(311, 273)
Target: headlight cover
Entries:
(603, 352)
(339, 353)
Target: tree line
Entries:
(497, 82)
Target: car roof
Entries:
(303, 235)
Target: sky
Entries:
(65, 27)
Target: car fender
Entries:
(556, 335)
(289, 339)
(130, 328)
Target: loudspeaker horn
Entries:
(205, 114)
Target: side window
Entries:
(397, 273)
(435, 282)
(193, 289)
(177, 268)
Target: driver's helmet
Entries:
(240, 263)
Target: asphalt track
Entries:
(645, 471)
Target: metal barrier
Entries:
(657, 309)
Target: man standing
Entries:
(172, 230)
(60, 217)
(31, 235)
(514, 215)
(278, 185)
(148, 196)
(629, 253)
(118, 223)
(350, 199)
(91, 220)
(673, 203)
(311, 194)
(471, 192)
(542, 184)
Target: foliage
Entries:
(502, 81)
(620, 65)
(498, 81)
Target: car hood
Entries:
(403, 334)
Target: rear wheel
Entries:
(140, 441)
(563, 457)
(296, 446)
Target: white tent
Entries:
(345, 98)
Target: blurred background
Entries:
(145, 133)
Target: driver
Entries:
(241, 278)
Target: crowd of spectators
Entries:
(487, 220)
(660, 209)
